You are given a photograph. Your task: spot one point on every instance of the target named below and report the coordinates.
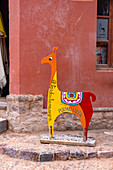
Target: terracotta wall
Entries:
(36, 26)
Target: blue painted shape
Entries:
(69, 95)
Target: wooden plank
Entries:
(67, 140)
(102, 41)
(103, 17)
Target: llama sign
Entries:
(78, 103)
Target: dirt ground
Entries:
(7, 163)
(104, 141)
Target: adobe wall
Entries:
(37, 26)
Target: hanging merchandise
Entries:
(2, 30)
(3, 54)
(2, 72)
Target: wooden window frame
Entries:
(109, 65)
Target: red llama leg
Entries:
(87, 108)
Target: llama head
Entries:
(51, 59)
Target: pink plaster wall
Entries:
(35, 28)
(14, 49)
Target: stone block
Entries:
(92, 154)
(77, 155)
(11, 152)
(3, 125)
(105, 154)
(109, 115)
(29, 155)
(36, 107)
(46, 157)
(21, 154)
(62, 155)
(38, 98)
(14, 108)
(2, 148)
(68, 124)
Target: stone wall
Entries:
(25, 113)
(100, 120)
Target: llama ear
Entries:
(55, 49)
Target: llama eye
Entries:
(50, 58)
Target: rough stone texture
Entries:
(3, 108)
(100, 120)
(25, 113)
(12, 152)
(61, 155)
(78, 154)
(105, 154)
(2, 148)
(3, 125)
(92, 154)
(28, 155)
(21, 154)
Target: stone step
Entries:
(3, 125)
(60, 155)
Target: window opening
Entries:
(104, 45)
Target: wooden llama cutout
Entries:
(78, 103)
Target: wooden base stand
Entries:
(68, 140)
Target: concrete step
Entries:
(3, 125)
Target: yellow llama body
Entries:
(55, 107)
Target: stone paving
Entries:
(28, 147)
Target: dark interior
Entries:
(4, 8)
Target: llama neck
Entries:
(53, 79)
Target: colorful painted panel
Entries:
(72, 98)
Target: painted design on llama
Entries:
(78, 103)
(71, 98)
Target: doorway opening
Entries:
(4, 50)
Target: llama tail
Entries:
(93, 96)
